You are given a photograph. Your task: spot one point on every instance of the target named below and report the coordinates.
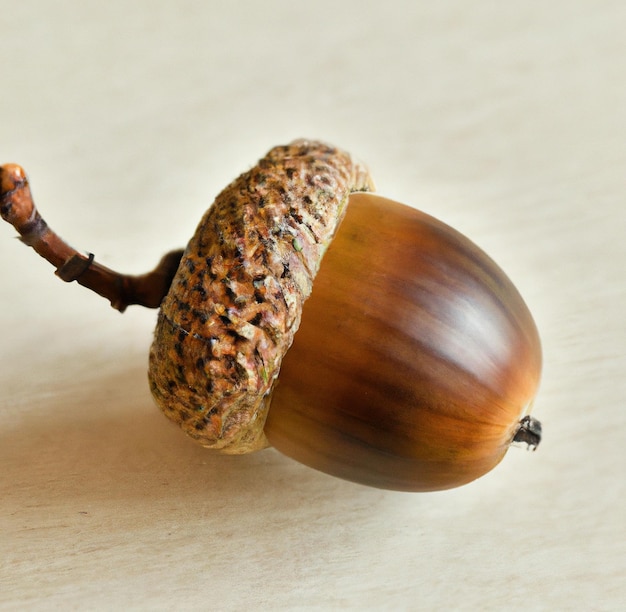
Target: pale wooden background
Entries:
(506, 120)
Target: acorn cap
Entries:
(236, 300)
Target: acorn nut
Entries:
(415, 361)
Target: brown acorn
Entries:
(415, 360)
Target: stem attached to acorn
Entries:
(122, 290)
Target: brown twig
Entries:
(18, 209)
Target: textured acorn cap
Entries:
(236, 300)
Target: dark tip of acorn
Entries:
(528, 433)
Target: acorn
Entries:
(354, 334)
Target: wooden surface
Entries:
(505, 120)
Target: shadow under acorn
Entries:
(102, 439)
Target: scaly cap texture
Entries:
(235, 303)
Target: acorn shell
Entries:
(236, 300)
(415, 360)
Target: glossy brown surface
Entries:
(415, 359)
